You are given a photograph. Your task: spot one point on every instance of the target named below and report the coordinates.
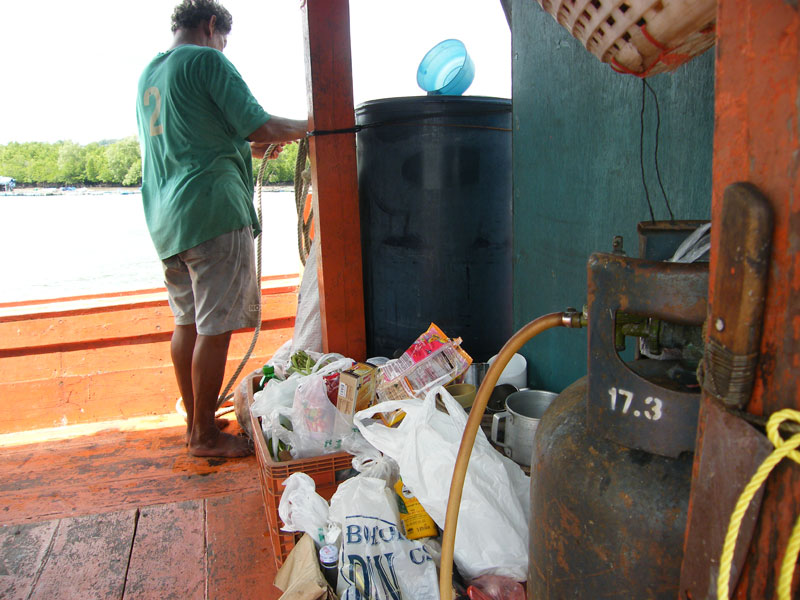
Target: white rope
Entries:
(225, 395)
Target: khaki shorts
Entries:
(214, 284)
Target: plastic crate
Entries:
(326, 471)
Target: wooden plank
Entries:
(68, 432)
(124, 350)
(71, 397)
(96, 461)
(241, 563)
(92, 361)
(756, 139)
(88, 558)
(123, 324)
(22, 550)
(110, 471)
(118, 395)
(728, 447)
(329, 80)
(44, 304)
(168, 556)
(729, 452)
(100, 324)
(89, 302)
(24, 368)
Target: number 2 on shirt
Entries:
(153, 91)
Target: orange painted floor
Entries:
(128, 513)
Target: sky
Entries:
(70, 68)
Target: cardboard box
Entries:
(391, 391)
(356, 389)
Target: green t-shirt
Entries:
(194, 111)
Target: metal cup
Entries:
(475, 373)
(523, 411)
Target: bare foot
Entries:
(218, 421)
(225, 445)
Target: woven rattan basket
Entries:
(640, 37)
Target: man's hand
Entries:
(259, 149)
(277, 150)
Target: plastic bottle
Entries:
(269, 373)
(329, 564)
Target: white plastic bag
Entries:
(332, 362)
(317, 426)
(276, 393)
(308, 321)
(280, 360)
(371, 463)
(302, 509)
(376, 561)
(280, 393)
(492, 530)
(273, 404)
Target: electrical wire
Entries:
(641, 156)
(658, 171)
(645, 87)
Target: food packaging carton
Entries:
(356, 389)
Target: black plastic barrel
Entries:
(434, 177)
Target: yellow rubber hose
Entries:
(783, 448)
(516, 342)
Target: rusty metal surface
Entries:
(729, 453)
(606, 521)
(625, 406)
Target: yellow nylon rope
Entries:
(783, 448)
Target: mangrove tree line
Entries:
(109, 162)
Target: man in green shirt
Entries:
(198, 127)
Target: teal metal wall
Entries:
(577, 173)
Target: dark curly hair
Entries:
(192, 13)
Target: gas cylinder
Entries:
(606, 521)
(612, 457)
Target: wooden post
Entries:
(329, 80)
(757, 140)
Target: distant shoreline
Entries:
(103, 190)
(82, 191)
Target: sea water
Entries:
(94, 242)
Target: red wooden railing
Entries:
(106, 357)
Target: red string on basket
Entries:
(667, 55)
(653, 40)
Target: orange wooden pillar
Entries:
(329, 80)
(757, 139)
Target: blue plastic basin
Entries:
(446, 69)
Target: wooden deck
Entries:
(121, 510)
(98, 495)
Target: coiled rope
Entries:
(783, 448)
(226, 395)
(302, 181)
